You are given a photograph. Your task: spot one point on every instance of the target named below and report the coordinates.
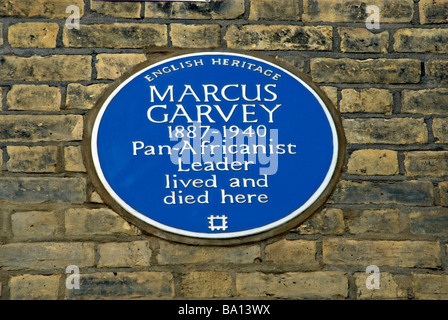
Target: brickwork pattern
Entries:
(390, 209)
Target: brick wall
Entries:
(389, 210)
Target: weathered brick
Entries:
(374, 221)
(443, 189)
(46, 255)
(195, 36)
(34, 287)
(19, 128)
(124, 285)
(373, 162)
(170, 254)
(50, 68)
(103, 221)
(293, 285)
(83, 97)
(96, 198)
(426, 163)
(297, 252)
(440, 129)
(417, 193)
(430, 286)
(53, 9)
(296, 60)
(433, 11)
(406, 254)
(388, 131)
(73, 159)
(355, 11)
(428, 101)
(34, 224)
(371, 100)
(328, 221)
(346, 70)
(117, 35)
(38, 190)
(434, 221)
(215, 9)
(5, 229)
(33, 98)
(112, 66)
(124, 254)
(207, 284)
(392, 286)
(362, 40)
(274, 10)
(421, 40)
(279, 37)
(33, 35)
(437, 71)
(116, 9)
(32, 159)
(332, 94)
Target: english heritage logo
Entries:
(214, 147)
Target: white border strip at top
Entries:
(202, 235)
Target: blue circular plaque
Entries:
(215, 145)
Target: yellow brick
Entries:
(433, 11)
(117, 35)
(216, 9)
(274, 10)
(48, 68)
(373, 162)
(279, 37)
(124, 254)
(390, 286)
(370, 100)
(207, 284)
(73, 159)
(116, 9)
(34, 98)
(53, 9)
(297, 252)
(409, 254)
(426, 163)
(34, 224)
(33, 35)
(388, 131)
(431, 286)
(355, 11)
(34, 287)
(112, 66)
(433, 40)
(32, 159)
(293, 285)
(195, 36)
(362, 40)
